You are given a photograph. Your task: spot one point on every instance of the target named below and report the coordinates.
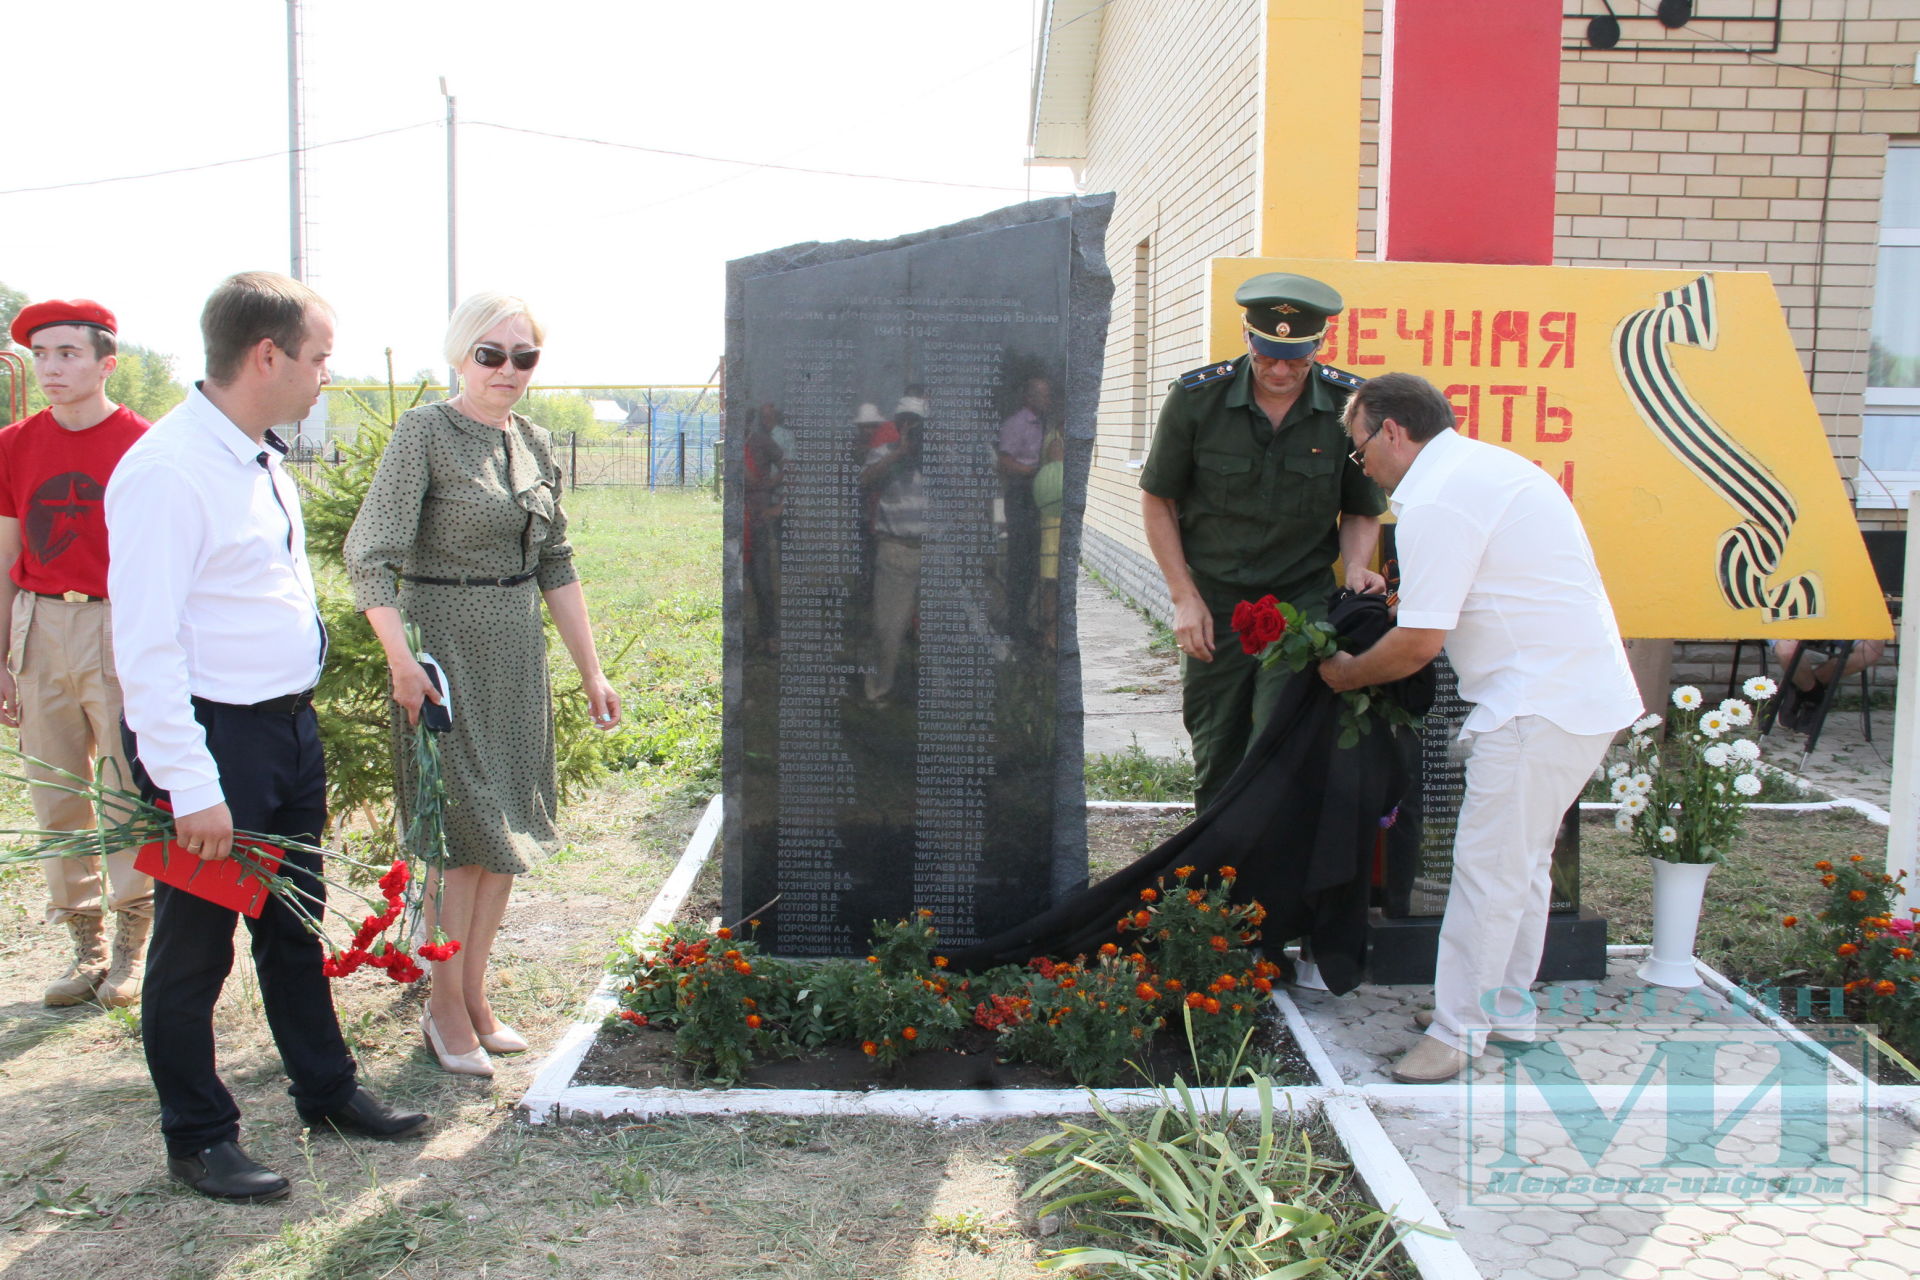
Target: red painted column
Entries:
(1469, 130)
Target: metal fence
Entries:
(674, 450)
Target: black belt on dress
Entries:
(514, 581)
(287, 704)
(71, 597)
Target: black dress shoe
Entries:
(366, 1115)
(224, 1172)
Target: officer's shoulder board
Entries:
(1338, 377)
(1206, 373)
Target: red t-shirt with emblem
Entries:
(52, 481)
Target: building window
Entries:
(1890, 428)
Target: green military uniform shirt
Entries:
(1259, 508)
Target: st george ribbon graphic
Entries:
(1749, 553)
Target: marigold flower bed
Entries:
(1177, 991)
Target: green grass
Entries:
(1134, 775)
(650, 563)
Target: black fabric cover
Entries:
(1298, 821)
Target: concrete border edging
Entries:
(552, 1082)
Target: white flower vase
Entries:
(1678, 889)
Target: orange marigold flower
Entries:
(1823, 865)
(730, 955)
(1903, 953)
(869, 1048)
(939, 962)
(723, 933)
(1845, 949)
(926, 913)
(1184, 872)
(637, 1019)
(753, 1020)
(1212, 1005)
(741, 966)
(1109, 949)
(1149, 895)
(1172, 984)
(750, 1002)
(1142, 918)
(1853, 986)
(909, 1033)
(1885, 987)
(1228, 873)
(1827, 881)
(1196, 897)
(1858, 857)
(1263, 986)
(1145, 991)
(755, 924)
(873, 959)
(1217, 942)
(1856, 895)
(1195, 1000)
(1789, 921)
(1225, 982)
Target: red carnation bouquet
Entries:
(1274, 631)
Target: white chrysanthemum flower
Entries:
(1621, 788)
(1642, 783)
(1717, 755)
(1646, 722)
(1620, 769)
(1713, 724)
(1668, 835)
(1623, 821)
(1747, 785)
(1746, 749)
(1759, 688)
(1686, 697)
(1719, 788)
(1641, 742)
(1634, 804)
(1737, 712)
(1653, 763)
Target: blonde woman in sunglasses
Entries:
(462, 533)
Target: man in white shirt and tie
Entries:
(1495, 569)
(218, 644)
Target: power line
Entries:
(219, 164)
(751, 164)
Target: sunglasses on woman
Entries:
(492, 357)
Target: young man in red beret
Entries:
(58, 685)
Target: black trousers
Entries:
(275, 780)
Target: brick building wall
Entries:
(1680, 151)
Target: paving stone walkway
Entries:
(1522, 1175)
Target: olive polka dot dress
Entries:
(454, 498)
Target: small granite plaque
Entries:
(909, 425)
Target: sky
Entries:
(620, 250)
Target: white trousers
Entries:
(1521, 778)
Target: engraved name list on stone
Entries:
(893, 629)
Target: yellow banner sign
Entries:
(1670, 405)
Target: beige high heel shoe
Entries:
(475, 1063)
(502, 1039)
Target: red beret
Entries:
(79, 311)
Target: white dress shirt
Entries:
(212, 594)
(1492, 552)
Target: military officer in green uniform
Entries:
(1249, 490)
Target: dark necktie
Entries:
(282, 504)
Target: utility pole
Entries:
(296, 145)
(453, 261)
